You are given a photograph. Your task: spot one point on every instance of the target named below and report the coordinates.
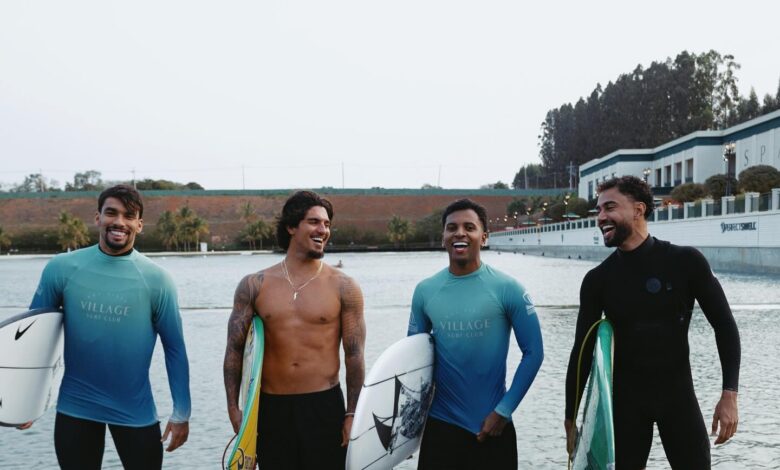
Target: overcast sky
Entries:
(284, 94)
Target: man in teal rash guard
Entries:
(470, 309)
(116, 302)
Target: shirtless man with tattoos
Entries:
(307, 308)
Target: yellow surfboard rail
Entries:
(244, 453)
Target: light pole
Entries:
(729, 153)
(528, 211)
(646, 172)
(566, 207)
(544, 213)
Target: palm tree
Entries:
(168, 230)
(194, 229)
(256, 231)
(190, 227)
(183, 220)
(72, 232)
(398, 230)
(5, 239)
(247, 212)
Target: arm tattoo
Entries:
(238, 326)
(353, 332)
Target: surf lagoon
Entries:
(206, 286)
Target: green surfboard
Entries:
(595, 448)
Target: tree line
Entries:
(642, 109)
(91, 180)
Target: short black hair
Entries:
(633, 187)
(294, 211)
(129, 196)
(465, 204)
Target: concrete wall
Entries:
(736, 242)
(721, 259)
(755, 229)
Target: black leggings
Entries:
(671, 404)
(79, 444)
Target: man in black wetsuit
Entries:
(646, 288)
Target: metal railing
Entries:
(695, 210)
(765, 202)
(738, 206)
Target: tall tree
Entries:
(497, 185)
(642, 109)
(748, 108)
(89, 180)
(35, 183)
(532, 174)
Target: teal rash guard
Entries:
(115, 306)
(470, 318)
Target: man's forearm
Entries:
(232, 375)
(355, 375)
(238, 328)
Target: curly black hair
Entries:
(633, 187)
(294, 211)
(465, 204)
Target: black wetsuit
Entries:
(648, 295)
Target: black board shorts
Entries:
(446, 446)
(301, 431)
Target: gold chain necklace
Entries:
(296, 290)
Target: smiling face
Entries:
(621, 219)
(463, 238)
(312, 233)
(118, 227)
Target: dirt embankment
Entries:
(360, 212)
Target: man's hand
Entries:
(179, 433)
(492, 426)
(236, 416)
(346, 430)
(24, 426)
(571, 436)
(725, 414)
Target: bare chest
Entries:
(280, 305)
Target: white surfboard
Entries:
(30, 364)
(393, 405)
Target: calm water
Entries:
(206, 287)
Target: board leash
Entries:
(226, 449)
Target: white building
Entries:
(692, 158)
